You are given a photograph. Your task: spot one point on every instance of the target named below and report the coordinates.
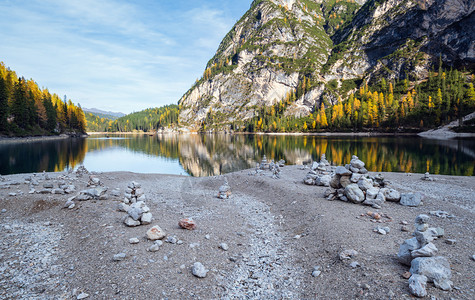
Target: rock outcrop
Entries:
(308, 48)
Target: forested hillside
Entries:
(151, 119)
(25, 109)
(390, 105)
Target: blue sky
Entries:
(112, 54)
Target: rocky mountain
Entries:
(318, 50)
(104, 114)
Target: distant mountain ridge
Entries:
(104, 114)
(312, 50)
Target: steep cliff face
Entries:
(309, 47)
(393, 38)
(264, 57)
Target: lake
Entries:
(215, 154)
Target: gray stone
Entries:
(422, 219)
(427, 251)
(355, 177)
(424, 237)
(323, 180)
(335, 182)
(115, 192)
(123, 207)
(354, 194)
(355, 264)
(365, 183)
(154, 248)
(199, 270)
(134, 240)
(119, 256)
(355, 162)
(371, 193)
(342, 171)
(307, 181)
(171, 240)
(135, 213)
(131, 222)
(48, 185)
(437, 232)
(224, 246)
(316, 271)
(417, 285)
(354, 170)
(411, 199)
(436, 269)
(392, 195)
(146, 218)
(348, 254)
(82, 296)
(404, 255)
(4, 211)
(345, 181)
(450, 241)
(363, 171)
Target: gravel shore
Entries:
(277, 233)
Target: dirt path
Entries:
(277, 231)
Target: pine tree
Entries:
(3, 106)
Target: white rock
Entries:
(411, 199)
(146, 218)
(119, 256)
(131, 222)
(82, 296)
(155, 233)
(224, 246)
(134, 240)
(365, 183)
(404, 255)
(199, 270)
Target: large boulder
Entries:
(436, 269)
(354, 194)
(411, 199)
(391, 195)
(345, 181)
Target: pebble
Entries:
(199, 270)
(154, 248)
(134, 240)
(450, 241)
(355, 264)
(347, 254)
(187, 224)
(82, 296)
(119, 256)
(171, 240)
(316, 271)
(224, 246)
(207, 237)
(4, 210)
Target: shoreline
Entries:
(268, 232)
(35, 138)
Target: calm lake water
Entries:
(205, 155)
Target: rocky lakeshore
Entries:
(267, 236)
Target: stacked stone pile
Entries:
(420, 253)
(224, 190)
(138, 213)
(352, 183)
(271, 166)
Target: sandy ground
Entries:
(277, 230)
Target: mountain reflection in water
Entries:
(207, 155)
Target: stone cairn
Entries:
(224, 190)
(419, 253)
(273, 167)
(427, 177)
(138, 213)
(351, 183)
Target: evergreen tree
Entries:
(3, 105)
